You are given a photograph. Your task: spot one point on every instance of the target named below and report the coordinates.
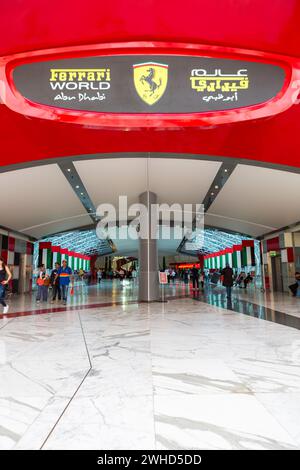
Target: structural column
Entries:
(148, 255)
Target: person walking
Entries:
(42, 293)
(65, 276)
(54, 278)
(99, 275)
(195, 277)
(5, 277)
(227, 274)
(202, 279)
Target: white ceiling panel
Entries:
(236, 225)
(180, 180)
(39, 200)
(261, 199)
(107, 179)
(173, 180)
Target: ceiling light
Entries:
(77, 186)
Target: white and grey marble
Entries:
(285, 407)
(181, 375)
(114, 407)
(229, 421)
(41, 357)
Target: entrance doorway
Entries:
(277, 274)
(25, 274)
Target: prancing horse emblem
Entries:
(150, 80)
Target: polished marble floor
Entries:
(108, 373)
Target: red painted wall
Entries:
(270, 25)
(273, 244)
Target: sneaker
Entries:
(5, 309)
(52, 301)
(38, 301)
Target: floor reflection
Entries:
(236, 304)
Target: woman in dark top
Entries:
(5, 277)
(227, 274)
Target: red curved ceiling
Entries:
(271, 25)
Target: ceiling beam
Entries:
(219, 181)
(72, 176)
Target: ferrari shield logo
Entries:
(150, 81)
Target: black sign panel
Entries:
(148, 84)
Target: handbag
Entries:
(40, 281)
